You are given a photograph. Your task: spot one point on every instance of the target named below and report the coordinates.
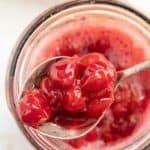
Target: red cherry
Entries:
(94, 79)
(104, 93)
(34, 108)
(96, 107)
(64, 72)
(101, 63)
(93, 58)
(73, 100)
(98, 74)
(92, 136)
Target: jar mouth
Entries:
(13, 60)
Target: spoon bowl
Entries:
(51, 129)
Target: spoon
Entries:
(53, 130)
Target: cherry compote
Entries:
(71, 91)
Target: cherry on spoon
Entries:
(53, 130)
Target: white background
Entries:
(15, 15)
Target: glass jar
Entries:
(27, 49)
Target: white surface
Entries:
(14, 16)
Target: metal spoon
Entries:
(53, 130)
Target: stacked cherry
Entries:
(75, 85)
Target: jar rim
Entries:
(13, 60)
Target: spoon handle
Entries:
(133, 70)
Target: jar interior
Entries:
(48, 41)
